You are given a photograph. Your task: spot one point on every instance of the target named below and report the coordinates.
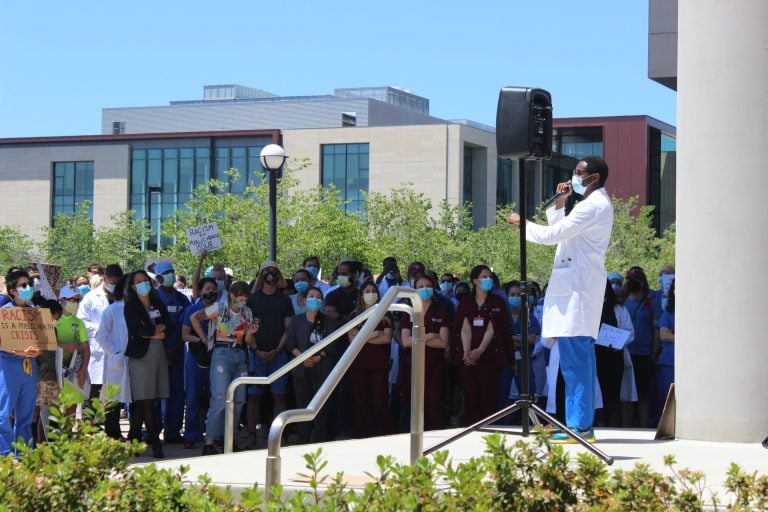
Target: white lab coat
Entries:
(91, 308)
(112, 337)
(573, 303)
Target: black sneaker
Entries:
(209, 449)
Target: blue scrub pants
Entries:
(577, 362)
(197, 391)
(18, 393)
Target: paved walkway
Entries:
(356, 457)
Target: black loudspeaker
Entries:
(524, 123)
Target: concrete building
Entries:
(360, 140)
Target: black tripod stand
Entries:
(525, 403)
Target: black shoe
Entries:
(157, 450)
(209, 449)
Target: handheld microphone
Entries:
(546, 204)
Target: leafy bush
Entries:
(82, 469)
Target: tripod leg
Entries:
(535, 409)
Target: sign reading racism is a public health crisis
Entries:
(204, 238)
(21, 328)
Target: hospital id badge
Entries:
(154, 314)
(478, 322)
(172, 309)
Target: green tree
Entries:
(121, 242)
(15, 247)
(69, 242)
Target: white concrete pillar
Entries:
(722, 221)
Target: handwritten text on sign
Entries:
(22, 327)
(204, 238)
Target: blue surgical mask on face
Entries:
(577, 182)
(425, 293)
(83, 289)
(26, 293)
(169, 279)
(314, 304)
(514, 302)
(239, 304)
(486, 284)
(312, 271)
(144, 288)
(301, 286)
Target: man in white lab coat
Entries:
(574, 300)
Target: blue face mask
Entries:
(425, 293)
(577, 182)
(26, 293)
(514, 302)
(83, 289)
(301, 286)
(314, 304)
(486, 284)
(312, 271)
(144, 288)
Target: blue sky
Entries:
(62, 62)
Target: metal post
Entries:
(273, 214)
(417, 383)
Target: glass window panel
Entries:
(202, 152)
(186, 182)
(89, 180)
(363, 160)
(139, 154)
(170, 176)
(222, 152)
(187, 153)
(154, 173)
(239, 152)
(201, 171)
(138, 175)
(155, 154)
(171, 153)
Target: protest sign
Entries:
(21, 328)
(204, 238)
(612, 337)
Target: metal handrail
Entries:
(416, 311)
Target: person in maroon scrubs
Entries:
(436, 322)
(370, 370)
(482, 342)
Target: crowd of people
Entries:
(172, 348)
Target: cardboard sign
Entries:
(52, 273)
(612, 337)
(24, 327)
(204, 238)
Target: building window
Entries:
(504, 184)
(662, 167)
(162, 181)
(569, 146)
(118, 127)
(466, 196)
(345, 166)
(243, 159)
(72, 184)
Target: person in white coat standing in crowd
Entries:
(112, 337)
(574, 300)
(91, 308)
